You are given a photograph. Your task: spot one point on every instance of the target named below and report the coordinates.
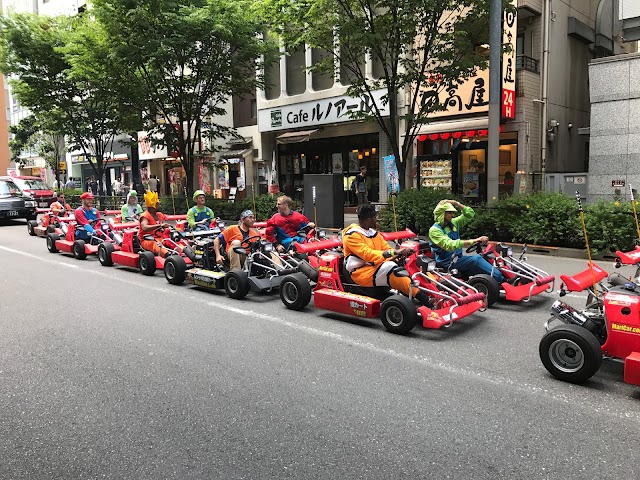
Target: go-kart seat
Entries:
(379, 293)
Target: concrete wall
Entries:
(615, 125)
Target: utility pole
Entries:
(545, 89)
(495, 87)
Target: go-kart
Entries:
(205, 224)
(131, 254)
(80, 248)
(204, 271)
(608, 327)
(629, 258)
(452, 299)
(264, 269)
(50, 223)
(522, 280)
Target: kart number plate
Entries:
(43, 204)
(13, 213)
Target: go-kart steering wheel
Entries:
(476, 246)
(246, 243)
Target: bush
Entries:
(541, 219)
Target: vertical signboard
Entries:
(509, 35)
(391, 174)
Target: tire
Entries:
(236, 284)
(78, 250)
(147, 263)
(398, 314)
(31, 224)
(51, 242)
(51, 229)
(104, 254)
(571, 353)
(488, 285)
(175, 270)
(295, 291)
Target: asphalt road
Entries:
(105, 373)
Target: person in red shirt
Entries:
(84, 215)
(282, 228)
(233, 237)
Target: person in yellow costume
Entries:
(367, 256)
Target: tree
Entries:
(189, 57)
(63, 73)
(409, 41)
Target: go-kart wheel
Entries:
(147, 263)
(295, 291)
(51, 242)
(31, 224)
(488, 285)
(236, 284)
(571, 353)
(51, 229)
(104, 254)
(78, 250)
(174, 270)
(398, 314)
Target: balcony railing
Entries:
(527, 63)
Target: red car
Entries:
(36, 188)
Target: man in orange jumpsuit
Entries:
(60, 206)
(233, 237)
(367, 256)
(152, 222)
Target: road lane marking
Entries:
(524, 388)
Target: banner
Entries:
(391, 174)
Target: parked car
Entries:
(36, 188)
(13, 203)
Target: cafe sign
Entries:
(320, 112)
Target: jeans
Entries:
(474, 264)
(362, 198)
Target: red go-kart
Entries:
(50, 223)
(335, 291)
(608, 327)
(78, 247)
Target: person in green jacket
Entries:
(132, 208)
(199, 212)
(446, 242)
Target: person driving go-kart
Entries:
(368, 256)
(199, 212)
(233, 237)
(446, 242)
(85, 214)
(132, 208)
(60, 207)
(282, 228)
(153, 222)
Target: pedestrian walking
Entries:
(153, 183)
(361, 186)
(70, 183)
(93, 185)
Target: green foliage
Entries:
(414, 209)
(409, 39)
(550, 219)
(265, 206)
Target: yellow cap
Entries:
(150, 198)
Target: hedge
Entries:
(541, 219)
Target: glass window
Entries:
(8, 188)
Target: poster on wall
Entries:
(471, 185)
(391, 174)
(353, 162)
(336, 160)
(144, 174)
(223, 177)
(205, 179)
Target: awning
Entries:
(295, 137)
(455, 126)
(244, 153)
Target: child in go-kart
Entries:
(446, 242)
(131, 209)
(367, 256)
(85, 215)
(153, 222)
(233, 237)
(199, 212)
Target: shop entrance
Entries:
(330, 155)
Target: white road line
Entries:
(527, 389)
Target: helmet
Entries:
(196, 194)
(150, 199)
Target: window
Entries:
(296, 73)
(254, 108)
(322, 80)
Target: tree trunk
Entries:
(135, 167)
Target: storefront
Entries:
(330, 143)
(456, 162)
